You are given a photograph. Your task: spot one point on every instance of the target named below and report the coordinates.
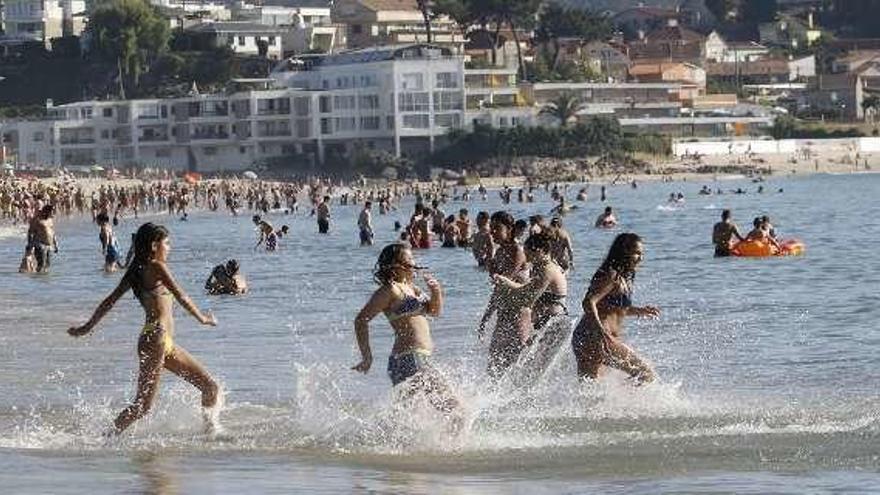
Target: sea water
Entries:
(768, 368)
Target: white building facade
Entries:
(42, 20)
(403, 99)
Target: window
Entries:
(210, 150)
(108, 112)
(230, 40)
(447, 101)
(302, 106)
(370, 123)
(369, 102)
(389, 121)
(413, 102)
(325, 104)
(326, 126)
(418, 121)
(447, 80)
(357, 29)
(303, 128)
(346, 124)
(241, 41)
(413, 81)
(105, 134)
(271, 41)
(345, 102)
(39, 137)
(369, 80)
(447, 120)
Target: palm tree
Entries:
(564, 108)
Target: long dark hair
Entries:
(142, 244)
(620, 258)
(389, 258)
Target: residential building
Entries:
(720, 50)
(763, 71)
(852, 61)
(391, 22)
(671, 43)
(42, 20)
(692, 77)
(790, 31)
(306, 23)
(412, 95)
(838, 95)
(243, 38)
(602, 58)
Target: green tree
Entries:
(722, 9)
(129, 33)
(757, 11)
(564, 108)
(517, 14)
(557, 22)
(784, 127)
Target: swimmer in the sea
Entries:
(607, 219)
(153, 285)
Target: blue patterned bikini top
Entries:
(410, 306)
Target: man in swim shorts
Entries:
(41, 237)
(365, 225)
(723, 233)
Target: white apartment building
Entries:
(400, 98)
(42, 20)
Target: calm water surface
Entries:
(769, 367)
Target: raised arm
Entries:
(379, 301)
(435, 304)
(526, 293)
(168, 281)
(102, 309)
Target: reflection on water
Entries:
(766, 364)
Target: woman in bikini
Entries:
(407, 309)
(154, 287)
(597, 339)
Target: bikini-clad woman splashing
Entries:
(406, 307)
(150, 279)
(597, 340)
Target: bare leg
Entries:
(626, 360)
(182, 364)
(151, 358)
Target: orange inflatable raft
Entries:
(759, 249)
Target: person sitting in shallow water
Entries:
(226, 279)
(607, 219)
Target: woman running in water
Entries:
(512, 324)
(407, 309)
(597, 339)
(151, 281)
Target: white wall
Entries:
(784, 146)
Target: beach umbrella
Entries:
(97, 168)
(8, 166)
(249, 175)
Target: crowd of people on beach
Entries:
(527, 260)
